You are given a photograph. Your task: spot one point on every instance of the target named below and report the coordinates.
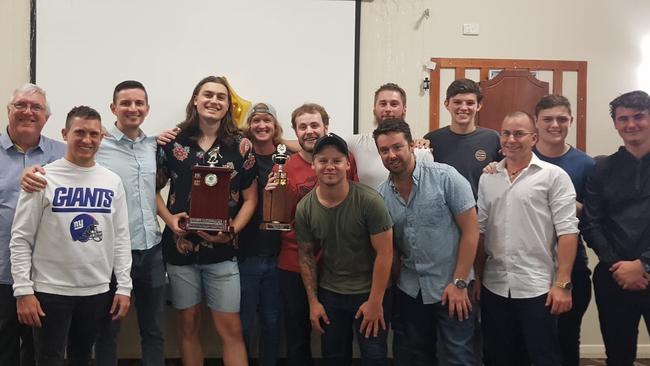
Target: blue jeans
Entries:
(336, 341)
(420, 325)
(260, 290)
(518, 332)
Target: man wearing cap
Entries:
(436, 231)
(310, 121)
(349, 222)
(22, 146)
(258, 249)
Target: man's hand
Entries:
(220, 237)
(120, 306)
(630, 275)
(167, 136)
(373, 317)
(559, 300)
(272, 182)
(421, 143)
(316, 313)
(29, 311)
(491, 168)
(458, 301)
(30, 182)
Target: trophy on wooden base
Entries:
(209, 197)
(278, 202)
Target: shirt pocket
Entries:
(430, 211)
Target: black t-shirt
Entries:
(254, 242)
(174, 163)
(469, 153)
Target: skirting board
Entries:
(598, 351)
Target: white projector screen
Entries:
(284, 52)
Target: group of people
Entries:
(470, 249)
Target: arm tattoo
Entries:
(308, 268)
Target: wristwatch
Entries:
(460, 283)
(565, 285)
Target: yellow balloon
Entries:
(240, 106)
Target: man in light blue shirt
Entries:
(129, 153)
(22, 146)
(436, 233)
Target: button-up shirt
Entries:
(135, 162)
(521, 221)
(12, 163)
(425, 229)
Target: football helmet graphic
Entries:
(84, 227)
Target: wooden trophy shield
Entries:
(278, 203)
(209, 199)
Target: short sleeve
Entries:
(377, 217)
(458, 192)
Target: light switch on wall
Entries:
(470, 29)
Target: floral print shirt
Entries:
(174, 165)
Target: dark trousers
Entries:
(619, 312)
(76, 317)
(148, 274)
(518, 332)
(260, 291)
(337, 339)
(296, 319)
(16, 341)
(569, 323)
(421, 324)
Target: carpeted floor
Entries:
(583, 362)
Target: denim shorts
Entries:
(220, 281)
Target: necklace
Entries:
(514, 174)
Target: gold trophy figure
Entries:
(277, 202)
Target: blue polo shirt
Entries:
(135, 162)
(425, 229)
(12, 163)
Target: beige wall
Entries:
(614, 37)
(14, 42)
(614, 41)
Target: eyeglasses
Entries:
(21, 106)
(519, 134)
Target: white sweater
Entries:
(69, 238)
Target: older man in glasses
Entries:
(528, 224)
(22, 146)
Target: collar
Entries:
(119, 135)
(7, 143)
(534, 161)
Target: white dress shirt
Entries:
(521, 221)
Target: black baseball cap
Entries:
(333, 140)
